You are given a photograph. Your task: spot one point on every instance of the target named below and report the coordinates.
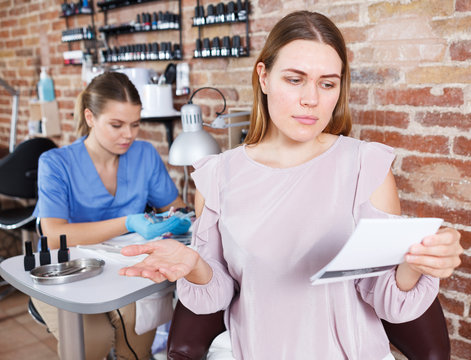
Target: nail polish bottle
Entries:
(155, 51)
(215, 48)
(230, 12)
(63, 254)
(44, 254)
(241, 10)
(162, 51)
(210, 17)
(226, 46)
(137, 25)
(29, 260)
(176, 21)
(235, 46)
(205, 52)
(220, 12)
(177, 52)
(197, 52)
(148, 21)
(154, 21)
(168, 51)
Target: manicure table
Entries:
(104, 292)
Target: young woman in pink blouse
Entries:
(277, 209)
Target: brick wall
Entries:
(411, 72)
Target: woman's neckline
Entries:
(306, 163)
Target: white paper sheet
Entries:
(375, 246)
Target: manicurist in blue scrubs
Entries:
(97, 188)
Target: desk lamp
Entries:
(193, 143)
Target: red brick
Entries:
(344, 13)
(9, 23)
(456, 283)
(358, 96)
(427, 144)
(49, 15)
(451, 305)
(461, 50)
(421, 209)
(465, 264)
(5, 33)
(444, 119)
(462, 146)
(419, 97)
(463, 5)
(460, 349)
(17, 10)
(373, 76)
(24, 52)
(264, 24)
(465, 239)
(354, 34)
(266, 6)
(415, 163)
(381, 118)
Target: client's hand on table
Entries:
(168, 260)
(144, 225)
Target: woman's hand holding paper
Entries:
(437, 255)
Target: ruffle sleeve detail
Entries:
(206, 178)
(218, 292)
(375, 160)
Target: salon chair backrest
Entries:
(425, 338)
(19, 169)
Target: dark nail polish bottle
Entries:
(215, 48)
(63, 254)
(210, 17)
(197, 52)
(206, 51)
(220, 13)
(29, 260)
(226, 46)
(44, 254)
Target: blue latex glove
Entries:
(148, 230)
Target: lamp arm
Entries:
(220, 121)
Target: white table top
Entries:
(104, 292)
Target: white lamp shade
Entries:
(191, 146)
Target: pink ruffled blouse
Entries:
(265, 231)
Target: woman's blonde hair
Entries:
(103, 88)
(300, 25)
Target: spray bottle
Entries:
(45, 86)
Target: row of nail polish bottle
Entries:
(83, 33)
(216, 48)
(143, 52)
(220, 13)
(157, 21)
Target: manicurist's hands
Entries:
(167, 260)
(145, 226)
(437, 255)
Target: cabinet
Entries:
(156, 22)
(222, 14)
(85, 33)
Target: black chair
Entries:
(425, 338)
(18, 179)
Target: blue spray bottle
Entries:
(45, 86)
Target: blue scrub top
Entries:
(70, 188)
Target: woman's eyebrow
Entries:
(300, 72)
